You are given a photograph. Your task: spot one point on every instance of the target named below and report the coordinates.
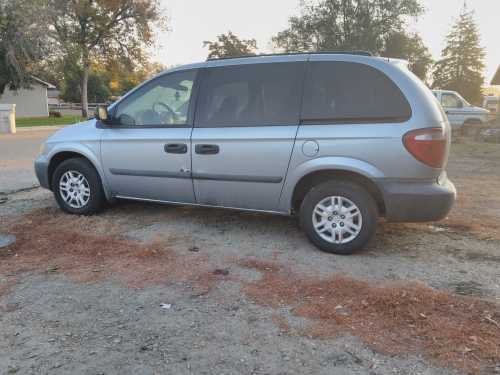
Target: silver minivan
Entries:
(338, 139)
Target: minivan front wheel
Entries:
(339, 217)
(77, 187)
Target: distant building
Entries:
(53, 96)
(31, 102)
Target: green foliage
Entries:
(48, 121)
(106, 78)
(462, 63)
(22, 41)
(97, 29)
(331, 25)
(88, 31)
(376, 26)
(229, 45)
(124, 76)
(410, 47)
(97, 89)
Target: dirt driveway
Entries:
(144, 289)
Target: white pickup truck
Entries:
(459, 111)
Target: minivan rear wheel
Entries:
(339, 217)
(77, 187)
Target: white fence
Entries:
(73, 106)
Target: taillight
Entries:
(427, 145)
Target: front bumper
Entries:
(42, 171)
(410, 201)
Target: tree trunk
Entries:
(85, 100)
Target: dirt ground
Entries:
(147, 289)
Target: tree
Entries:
(229, 45)
(124, 76)
(49, 70)
(462, 63)
(88, 31)
(97, 89)
(348, 25)
(496, 79)
(412, 48)
(376, 26)
(22, 41)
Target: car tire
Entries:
(339, 217)
(77, 187)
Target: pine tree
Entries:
(462, 63)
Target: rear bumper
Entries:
(417, 201)
(42, 171)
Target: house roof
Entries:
(43, 83)
(496, 78)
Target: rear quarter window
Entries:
(345, 92)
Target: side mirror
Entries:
(101, 113)
(460, 104)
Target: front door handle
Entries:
(176, 148)
(206, 149)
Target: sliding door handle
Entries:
(176, 148)
(206, 149)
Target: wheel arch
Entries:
(62, 155)
(317, 177)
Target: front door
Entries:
(146, 153)
(245, 129)
(454, 108)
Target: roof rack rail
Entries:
(358, 53)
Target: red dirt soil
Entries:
(89, 249)
(450, 330)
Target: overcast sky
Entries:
(193, 21)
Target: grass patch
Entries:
(47, 121)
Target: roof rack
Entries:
(358, 53)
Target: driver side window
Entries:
(450, 101)
(164, 101)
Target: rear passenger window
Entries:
(251, 95)
(342, 92)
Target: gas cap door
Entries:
(310, 148)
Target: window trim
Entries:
(367, 120)
(191, 111)
(354, 121)
(203, 76)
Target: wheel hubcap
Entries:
(337, 220)
(74, 189)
